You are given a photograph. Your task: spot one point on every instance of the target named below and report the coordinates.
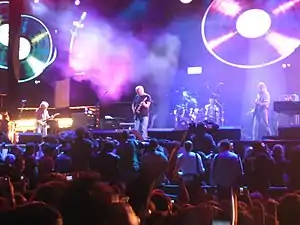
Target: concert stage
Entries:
(230, 133)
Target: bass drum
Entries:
(183, 124)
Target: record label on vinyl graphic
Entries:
(251, 34)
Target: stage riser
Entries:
(289, 133)
(233, 134)
(29, 137)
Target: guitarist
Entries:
(42, 116)
(140, 108)
(261, 113)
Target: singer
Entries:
(140, 108)
(261, 113)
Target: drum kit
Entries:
(188, 111)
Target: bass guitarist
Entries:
(261, 113)
(140, 108)
(42, 117)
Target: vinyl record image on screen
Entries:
(36, 46)
(251, 34)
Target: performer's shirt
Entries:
(263, 98)
(212, 112)
(42, 114)
(143, 110)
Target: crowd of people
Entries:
(75, 179)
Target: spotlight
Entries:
(77, 2)
(186, 1)
(36, 1)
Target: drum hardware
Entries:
(188, 111)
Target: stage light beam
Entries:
(282, 44)
(253, 23)
(284, 7)
(216, 42)
(227, 7)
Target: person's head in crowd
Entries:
(80, 132)
(101, 205)
(10, 159)
(192, 128)
(88, 135)
(248, 152)
(225, 145)
(19, 164)
(201, 128)
(48, 149)
(50, 193)
(278, 152)
(161, 202)
(33, 213)
(30, 148)
(289, 210)
(257, 196)
(108, 146)
(188, 146)
(51, 139)
(259, 147)
(153, 144)
(66, 149)
(15, 150)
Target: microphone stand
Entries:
(23, 103)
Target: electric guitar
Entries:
(45, 121)
(137, 109)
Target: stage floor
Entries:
(231, 133)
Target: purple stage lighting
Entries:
(251, 35)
